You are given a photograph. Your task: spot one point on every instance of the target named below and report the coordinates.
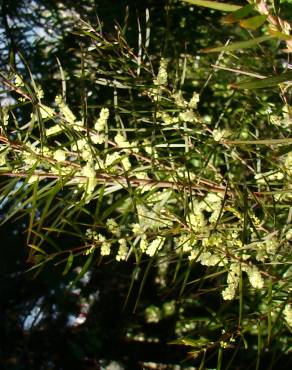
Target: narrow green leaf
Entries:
(266, 82)
(270, 297)
(244, 341)
(84, 269)
(254, 22)
(37, 249)
(239, 45)
(276, 5)
(68, 264)
(214, 5)
(135, 274)
(202, 364)
(238, 14)
(39, 265)
(33, 210)
(147, 270)
(185, 280)
(198, 343)
(63, 79)
(280, 35)
(259, 346)
(285, 140)
(219, 358)
(46, 238)
(48, 208)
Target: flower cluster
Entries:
(161, 78)
(123, 250)
(155, 246)
(288, 314)
(101, 123)
(232, 281)
(113, 227)
(99, 240)
(171, 189)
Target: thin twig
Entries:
(114, 179)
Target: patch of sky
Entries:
(35, 316)
(5, 199)
(6, 100)
(33, 23)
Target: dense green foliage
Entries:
(146, 166)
